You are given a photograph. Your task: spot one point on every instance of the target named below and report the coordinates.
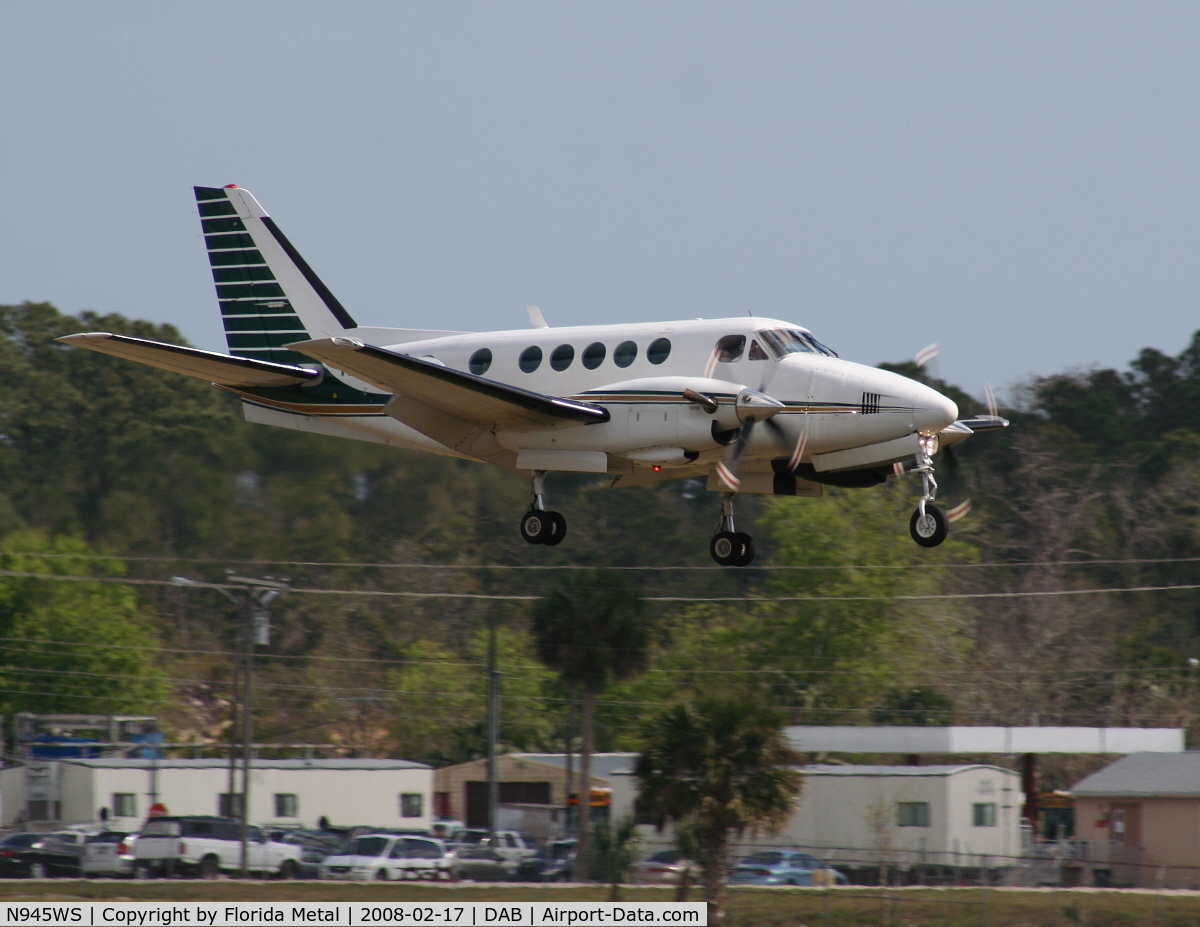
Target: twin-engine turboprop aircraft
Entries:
(751, 404)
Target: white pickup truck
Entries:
(207, 846)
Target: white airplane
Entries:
(640, 403)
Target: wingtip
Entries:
(81, 337)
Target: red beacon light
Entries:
(657, 468)
(231, 186)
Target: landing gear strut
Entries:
(729, 546)
(928, 525)
(537, 525)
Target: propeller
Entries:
(752, 406)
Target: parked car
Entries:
(555, 862)
(39, 856)
(315, 846)
(509, 844)
(662, 868)
(108, 853)
(481, 863)
(205, 846)
(782, 867)
(390, 857)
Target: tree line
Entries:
(1091, 487)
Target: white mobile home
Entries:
(930, 814)
(378, 793)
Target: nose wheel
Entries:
(929, 524)
(929, 528)
(730, 547)
(537, 525)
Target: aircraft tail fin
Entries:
(269, 295)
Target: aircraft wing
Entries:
(222, 369)
(454, 392)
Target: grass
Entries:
(754, 907)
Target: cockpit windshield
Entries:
(784, 341)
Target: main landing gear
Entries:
(928, 525)
(537, 525)
(730, 547)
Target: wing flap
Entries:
(454, 392)
(223, 369)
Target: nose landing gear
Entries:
(928, 525)
(537, 525)
(730, 547)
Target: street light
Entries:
(259, 594)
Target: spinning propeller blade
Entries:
(753, 406)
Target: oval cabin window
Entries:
(481, 360)
(561, 357)
(625, 354)
(593, 355)
(531, 359)
(659, 350)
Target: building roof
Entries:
(982, 739)
(604, 765)
(259, 763)
(883, 771)
(1145, 775)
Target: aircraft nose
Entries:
(932, 411)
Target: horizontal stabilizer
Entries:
(222, 369)
(463, 395)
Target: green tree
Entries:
(71, 645)
(854, 641)
(722, 767)
(593, 630)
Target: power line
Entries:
(383, 593)
(132, 558)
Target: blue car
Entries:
(780, 867)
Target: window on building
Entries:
(124, 805)
(287, 805)
(412, 805)
(229, 806)
(42, 810)
(480, 361)
(912, 813)
(625, 354)
(983, 814)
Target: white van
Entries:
(207, 846)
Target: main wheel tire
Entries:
(726, 548)
(289, 870)
(209, 868)
(536, 526)
(381, 875)
(930, 530)
(558, 528)
(747, 555)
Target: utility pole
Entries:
(255, 606)
(493, 731)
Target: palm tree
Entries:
(721, 767)
(591, 629)
(614, 852)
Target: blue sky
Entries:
(1016, 181)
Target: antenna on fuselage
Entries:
(536, 319)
